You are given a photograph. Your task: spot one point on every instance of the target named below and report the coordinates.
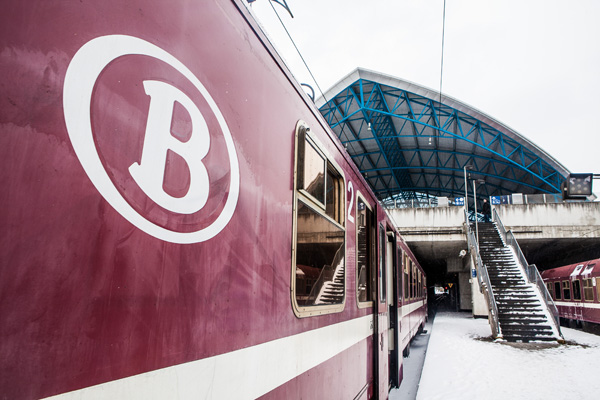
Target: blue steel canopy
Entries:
(409, 145)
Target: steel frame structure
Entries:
(410, 145)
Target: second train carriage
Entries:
(178, 221)
(575, 289)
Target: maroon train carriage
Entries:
(575, 289)
(178, 221)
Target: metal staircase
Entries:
(520, 310)
(520, 307)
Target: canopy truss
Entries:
(408, 144)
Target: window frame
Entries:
(300, 194)
(372, 258)
(566, 285)
(381, 264)
(558, 293)
(550, 289)
(413, 290)
(589, 287)
(576, 283)
(406, 276)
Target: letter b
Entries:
(149, 174)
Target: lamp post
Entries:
(479, 181)
(467, 167)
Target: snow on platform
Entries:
(463, 362)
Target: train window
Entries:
(410, 279)
(406, 269)
(576, 289)
(311, 170)
(557, 291)
(549, 287)
(318, 180)
(598, 289)
(382, 280)
(365, 253)
(566, 290)
(400, 258)
(413, 289)
(318, 277)
(588, 289)
(334, 199)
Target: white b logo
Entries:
(149, 174)
(83, 71)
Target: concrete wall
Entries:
(479, 304)
(552, 220)
(429, 218)
(464, 286)
(432, 233)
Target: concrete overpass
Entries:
(550, 235)
(555, 234)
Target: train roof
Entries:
(584, 269)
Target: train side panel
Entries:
(163, 231)
(414, 304)
(575, 289)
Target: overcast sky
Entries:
(533, 65)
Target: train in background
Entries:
(575, 289)
(178, 220)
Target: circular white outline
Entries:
(83, 71)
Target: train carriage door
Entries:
(382, 317)
(392, 296)
(367, 278)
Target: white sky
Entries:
(533, 65)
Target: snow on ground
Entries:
(463, 362)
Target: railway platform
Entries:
(463, 362)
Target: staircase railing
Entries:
(534, 276)
(485, 285)
(531, 272)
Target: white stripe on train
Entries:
(582, 305)
(409, 308)
(242, 374)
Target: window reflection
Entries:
(312, 170)
(319, 259)
(334, 199)
(364, 251)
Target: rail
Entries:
(531, 272)
(485, 285)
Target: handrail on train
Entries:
(531, 272)
(485, 285)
